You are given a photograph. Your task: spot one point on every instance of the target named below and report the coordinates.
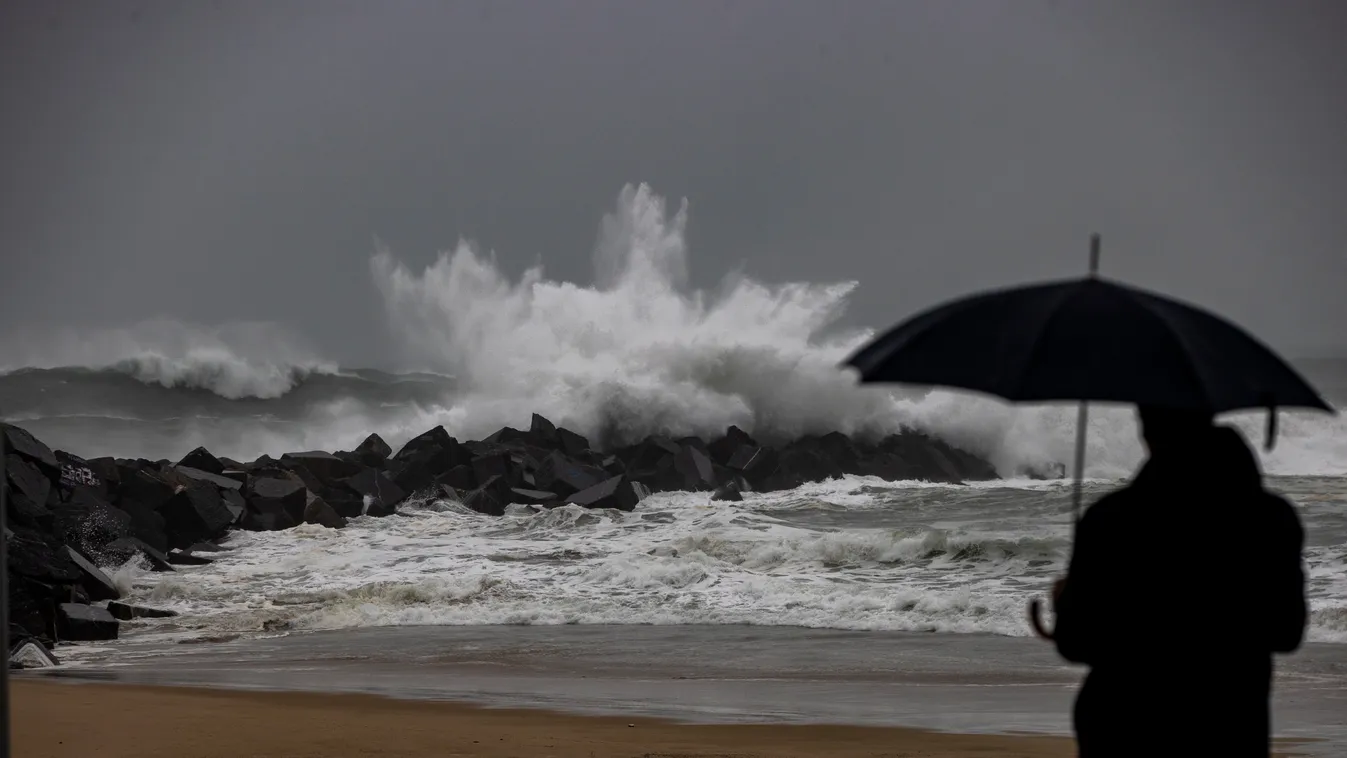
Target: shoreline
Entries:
(687, 676)
(60, 719)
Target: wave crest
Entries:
(639, 352)
(635, 353)
(234, 361)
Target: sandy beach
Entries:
(56, 720)
(572, 690)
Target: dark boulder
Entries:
(95, 583)
(613, 465)
(571, 443)
(195, 514)
(124, 612)
(694, 469)
(542, 430)
(667, 476)
(88, 522)
(756, 465)
(36, 556)
(125, 549)
(267, 516)
(927, 459)
(85, 623)
(411, 476)
(647, 455)
(201, 460)
(727, 475)
(507, 437)
(143, 488)
(888, 466)
(199, 475)
(799, 463)
(349, 505)
(27, 478)
(694, 442)
(267, 494)
(147, 524)
(491, 498)
(974, 468)
(459, 477)
(492, 464)
(839, 448)
(239, 475)
(531, 497)
(76, 472)
(301, 476)
(425, 443)
(32, 606)
(317, 511)
(24, 512)
(327, 467)
(435, 450)
(381, 495)
(728, 492)
(373, 452)
(617, 492)
(26, 445)
(30, 653)
(566, 476)
(235, 502)
(723, 448)
(107, 470)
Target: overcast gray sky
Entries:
(216, 161)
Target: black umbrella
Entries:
(1087, 339)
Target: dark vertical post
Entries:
(1082, 419)
(4, 594)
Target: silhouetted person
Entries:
(1181, 587)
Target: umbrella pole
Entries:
(1078, 494)
(4, 597)
(1078, 487)
(1077, 497)
(1082, 419)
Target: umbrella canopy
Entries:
(1086, 339)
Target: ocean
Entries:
(631, 354)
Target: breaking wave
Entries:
(234, 361)
(635, 351)
(638, 352)
(855, 553)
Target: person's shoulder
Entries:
(1280, 511)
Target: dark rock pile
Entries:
(67, 515)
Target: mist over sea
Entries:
(632, 353)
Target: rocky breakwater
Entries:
(68, 516)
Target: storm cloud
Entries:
(228, 161)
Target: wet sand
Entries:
(60, 720)
(692, 691)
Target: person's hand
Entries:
(1057, 588)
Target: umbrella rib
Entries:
(1185, 347)
(1036, 345)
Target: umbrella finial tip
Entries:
(1094, 253)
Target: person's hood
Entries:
(1218, 458)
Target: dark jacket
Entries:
(1181, 587)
